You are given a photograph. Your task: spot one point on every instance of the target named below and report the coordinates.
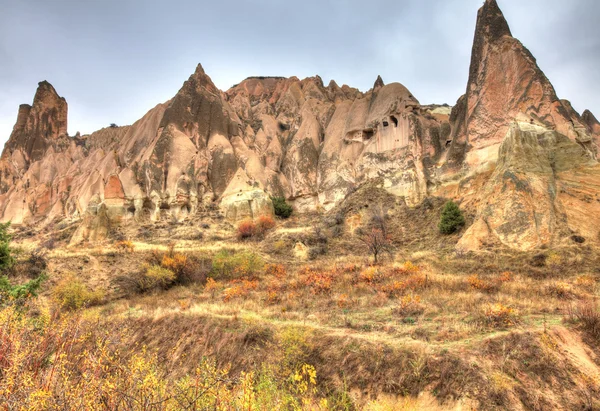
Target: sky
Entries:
(113, 60)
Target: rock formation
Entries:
(510, 150)
(511, 126)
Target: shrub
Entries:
(315, 251)
(264, 223)
(188, 269)
(275, 270)
(7, 260)
(319, 282)
(125, 246)
(409, 305)
(71, 293)
(452, 218)
(240, 288)
(156, 276)
(484, 285)
(560, 290)
(19, 293)
(281, 207)
(152, 277)
(246, 229)
(499, 315)
(587, 315)
(229, 265)
(371, 275)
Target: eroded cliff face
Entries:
(524, 160)
(506, 84)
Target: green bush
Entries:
(228, 265)
(452, 218)
(282, 208)
(7, 259)
(19, 293)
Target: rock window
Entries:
(394, 120)
(385, 124)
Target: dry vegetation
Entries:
(241, 322)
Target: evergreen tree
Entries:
(452, 218)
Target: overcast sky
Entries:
(113, 60)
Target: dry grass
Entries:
(428, 328)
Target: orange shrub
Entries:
(211, 286)
(480, 284)
(405, 269)
(125, 246)
(410, 305)
(499, 315)
(343, 301)
(276, 270)
(273, 297)
(371, 275)
(585, 280)
(176, 263)
(264, 223)
(506, 277)
(246, 229)
(320, 282)
(347, 268)
(413, 282)
(239, 288)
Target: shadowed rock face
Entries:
(509, 149)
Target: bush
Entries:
(187, 269)
(587, 315)
(452, 218)
(281, 207)
(499, 316)
(228, 265)
(19, 293)
(264, 223)
(125, 246)
(7, 260)
(155, 277)
(152, 277)
(246, 229)
(71, 293)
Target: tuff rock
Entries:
(520, 159)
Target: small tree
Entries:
(377, 243)
(452, 218)
(376, 236)
(281, 207)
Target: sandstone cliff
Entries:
(510, 150)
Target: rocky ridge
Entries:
(522, 160)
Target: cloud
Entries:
(115, 59)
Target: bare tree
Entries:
(377, 243)
(376, 236)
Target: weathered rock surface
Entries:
(510, 150)
(505, 84)
(518, 145)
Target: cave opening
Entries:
(394, 120)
